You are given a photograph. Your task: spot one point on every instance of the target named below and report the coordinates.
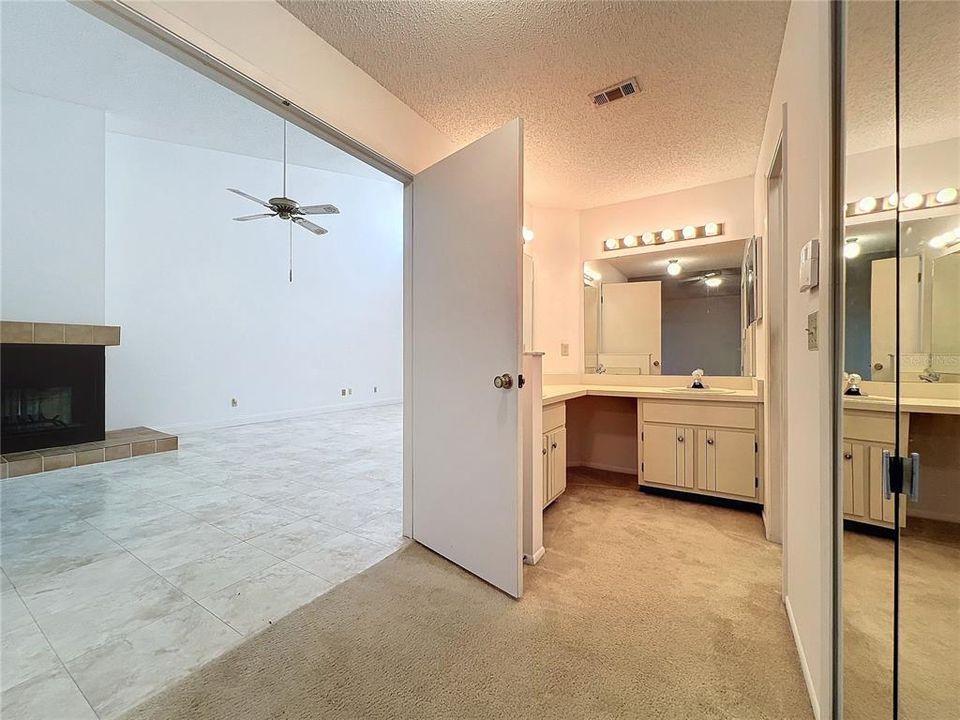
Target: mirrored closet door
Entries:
(900, 594)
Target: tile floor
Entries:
(119, 578)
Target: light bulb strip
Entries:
(870, 205)
(662, 237)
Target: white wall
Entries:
(558, 279)
(206, 309)
(265, 42)
(802, 83)
(729, 202)
(52, 211)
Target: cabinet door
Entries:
(848, 489)
(686, 456)
(660, 454)
(735, 462)
(546, 470)
(880, 508)
(558, 462)
(706, 459)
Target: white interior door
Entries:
(465, 330)
(630, 324)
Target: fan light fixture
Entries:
(713, 281)
(674, 268)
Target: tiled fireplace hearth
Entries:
(52, 379)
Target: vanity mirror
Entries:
(666, 311)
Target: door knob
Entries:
(503, 382)
(878, 366)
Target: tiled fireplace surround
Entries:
(117, 444)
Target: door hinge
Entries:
(641, 467)
(641, 436)
(756, 483)
(756, 446)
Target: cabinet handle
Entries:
(544, 451)
(554, 446)
(848, 456)
(709, 441)
(679, 438)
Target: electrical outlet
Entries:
(343, 392)
(813, 339)
(374, 388)
(234, 402)
(564, 349)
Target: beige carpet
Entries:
(643, 607)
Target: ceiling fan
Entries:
(287, 209)
(711, 279)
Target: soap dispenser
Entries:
(697, 379)
(853, 385)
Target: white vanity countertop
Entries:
(559, 393)
(943, 406)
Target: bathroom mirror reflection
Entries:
(929, 294)
(666, 311)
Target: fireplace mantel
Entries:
(43, 333)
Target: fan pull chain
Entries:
(290, 227)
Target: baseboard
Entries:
(604, 467)
(811, 691)
(535, 558)
(180, 428)
(932, 515)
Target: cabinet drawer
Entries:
(741, 417)
(871, 427)
(554, 416)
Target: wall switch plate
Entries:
(564, 349)
(813, 341)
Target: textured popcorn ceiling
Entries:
(929, 74)
(706, 70)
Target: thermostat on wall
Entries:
(810, 265)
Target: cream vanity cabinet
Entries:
(554, 451)
(701, 447)
(866, 434)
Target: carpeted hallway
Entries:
(643, 607)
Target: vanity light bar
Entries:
(661, 237)
(911, 201)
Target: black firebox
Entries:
(52, 395)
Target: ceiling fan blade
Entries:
(307, 225)
(319, 209)
(250, 197)
(244, 218)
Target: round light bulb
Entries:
(647, 238)
(673, 267)
(527, 234)
(711, 228)
(689, 232)
(611, 243)
(867, 204)
(667, 234)
(713, 281)
(947, 195)
(913, 201)
(630, 241)
(851, 249)
(893, 200)
(940, 241)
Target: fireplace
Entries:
(52, 395)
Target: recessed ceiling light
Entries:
(689, 232)
(611, 243)
(667, 234)
(673, 267)
(527, 234)
(647, 238)
(630, 241)
(851, 248)
(867, 204)
(947, 195)
(713, 281)
(711, 228)
(913, 201)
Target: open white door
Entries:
(465, 330)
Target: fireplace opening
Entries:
(52, 395)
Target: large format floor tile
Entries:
(124, 576)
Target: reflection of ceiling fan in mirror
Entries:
(287, 209)
(710, 279)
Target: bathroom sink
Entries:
(702, 391)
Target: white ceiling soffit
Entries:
(929, 72)
(695, 259)
(58, 51)
(705, 71)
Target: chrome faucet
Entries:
(697, 379)
(930, 376)
(601, 369)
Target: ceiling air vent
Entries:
(616, 92)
